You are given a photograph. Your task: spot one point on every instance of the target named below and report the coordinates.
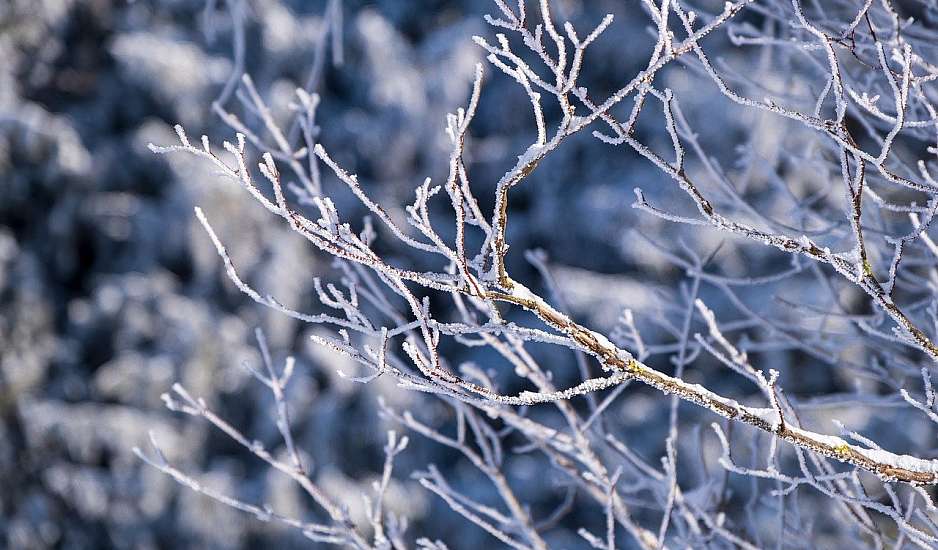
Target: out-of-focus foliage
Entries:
(110, 290)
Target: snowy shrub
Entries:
(832, 96)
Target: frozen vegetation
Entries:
(545, 274)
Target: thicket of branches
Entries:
(830, 176)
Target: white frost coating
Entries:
(588, 386)
(770, 416)
(603, 341)
(904, 462)
(886, 458)
(522, 292)
(704, 392)
(831, 440)
(529, 155)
